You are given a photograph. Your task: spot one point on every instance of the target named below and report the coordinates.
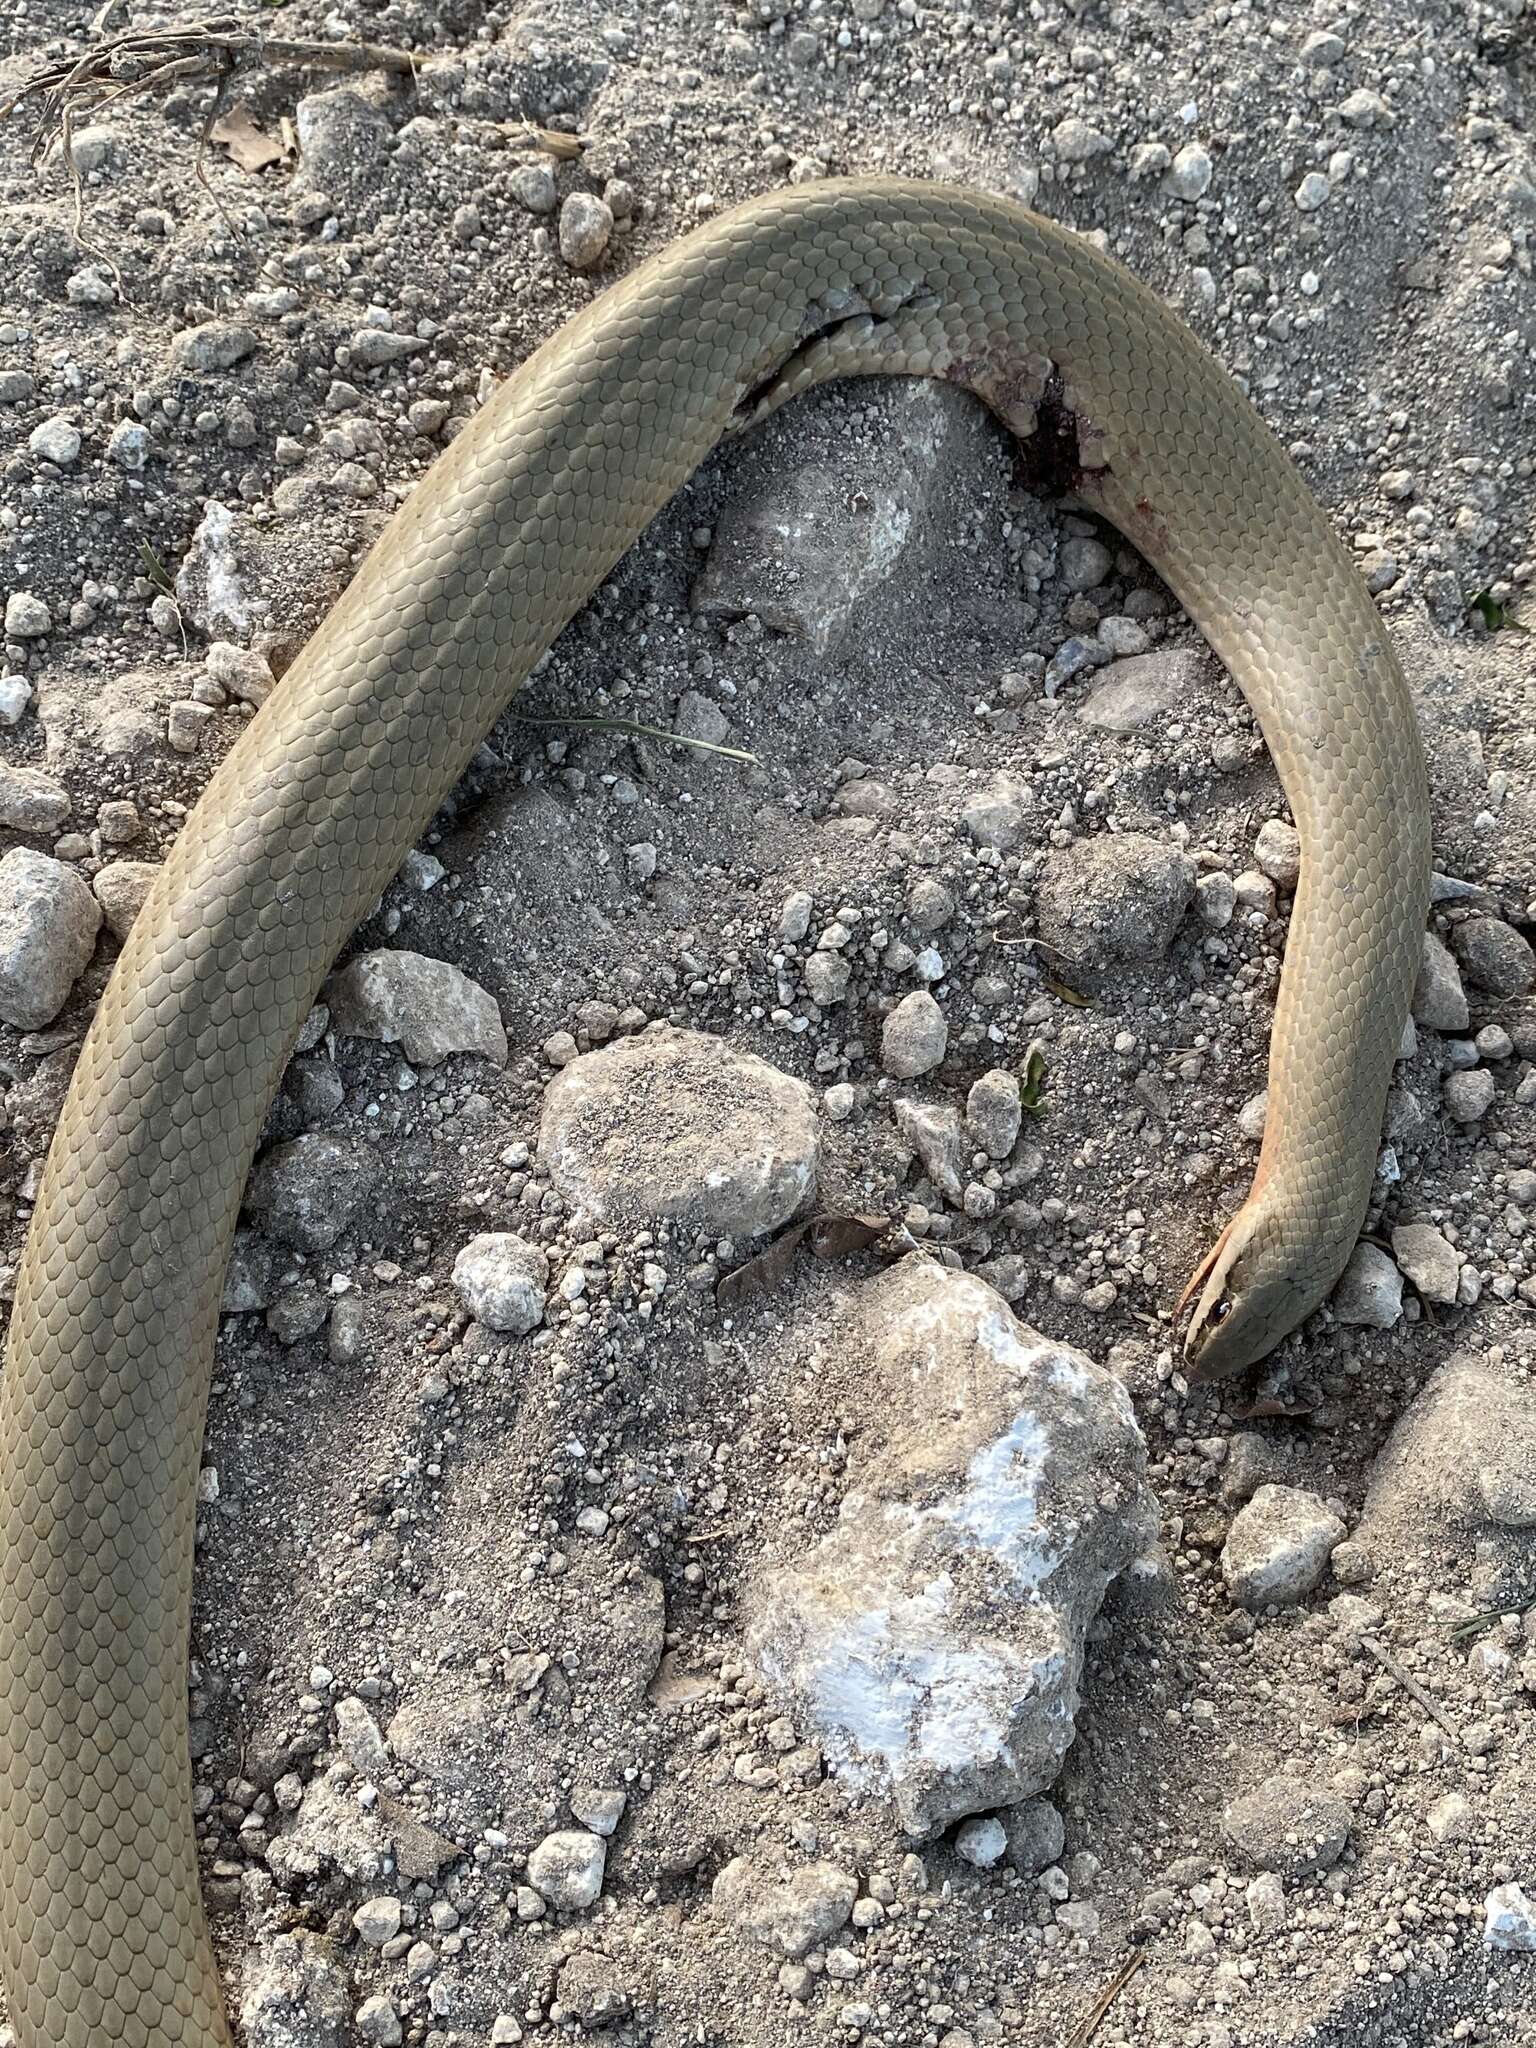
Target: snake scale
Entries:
(102, 1933)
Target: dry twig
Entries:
(1093, 2019)
(1411, 1686)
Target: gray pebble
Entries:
(214, 345)
(533, 186)
(586, 223)
(914, 1037)
(1468, 1096)
(26, 616)
(48, 925)
(1494, 956)
(56, 440)
(31, 801)
(306, 1192)
(503, 1281)
(1427, 1260)
(1439, 1000)
(994, 1112)
(1278, 1547)
(566, 1869)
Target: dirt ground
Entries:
(1340, 202)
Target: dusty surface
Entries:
(1340, 205)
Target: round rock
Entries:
(678, 1124)
(1287, 1826)
(1494, 956)
(503, 1281)
(306, 1192)
(1116, 897)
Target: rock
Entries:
(1287, 1826)
(994, 816)
(378, 2022)
(1468, 1096)
(1370, 1290)
(930, 906)
(306, 1192)
(566, 1869)
(1078, 143)
(1036, 1834)
(598, 1808)
(241, 671)
(1509, 1919)
(1189, 176)
(1084, 562)
(249, 1277)
(1496, 958)
(1142, 690)
(533, 187)
(344, 142)
(56, 440)
(1215, 901)
(297, 1996)
(933, 1131)
(590, 1989)
(1277, 853)
(1450, 1819)
(377, 1920)
(790, 1916)
(129, 445)
(26, 616)
(121, 887)
(1463, 1455)
(427, 1007)
(829, 522)
(1322, 49)
(215, 345)
(981, 1842)
(1427, 1260)
(1115, 897)
(994, 1112)
(360, 1738)
(914, 1038)
(1265, 1899)
(586, 226)
(503, 1281)
(1278, 1547)
(31, 801)
(678, 1124)
(48, 925)
(934, 1639)
(1439, 1000)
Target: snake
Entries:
(103, 1936)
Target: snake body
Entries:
(102, 1934)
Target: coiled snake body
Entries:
(102, 1936)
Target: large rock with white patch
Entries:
(935, 1638)
(675, 1124)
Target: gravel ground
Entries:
(989, 923)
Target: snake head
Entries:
(1249, 1298)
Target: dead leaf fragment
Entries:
(247, 145)
(825, 1237)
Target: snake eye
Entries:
(1221, 1311)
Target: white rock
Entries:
(1439, 1000)
(1427, 1260)
(792, 1916)
(26, 616)
(56, 440)
(1277, 851)
(981, 1842)
(566, 1869)
(1370, 1290)
(503, 1281)
(1509, 1919)
(1278, 1547)
(934, 1639)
